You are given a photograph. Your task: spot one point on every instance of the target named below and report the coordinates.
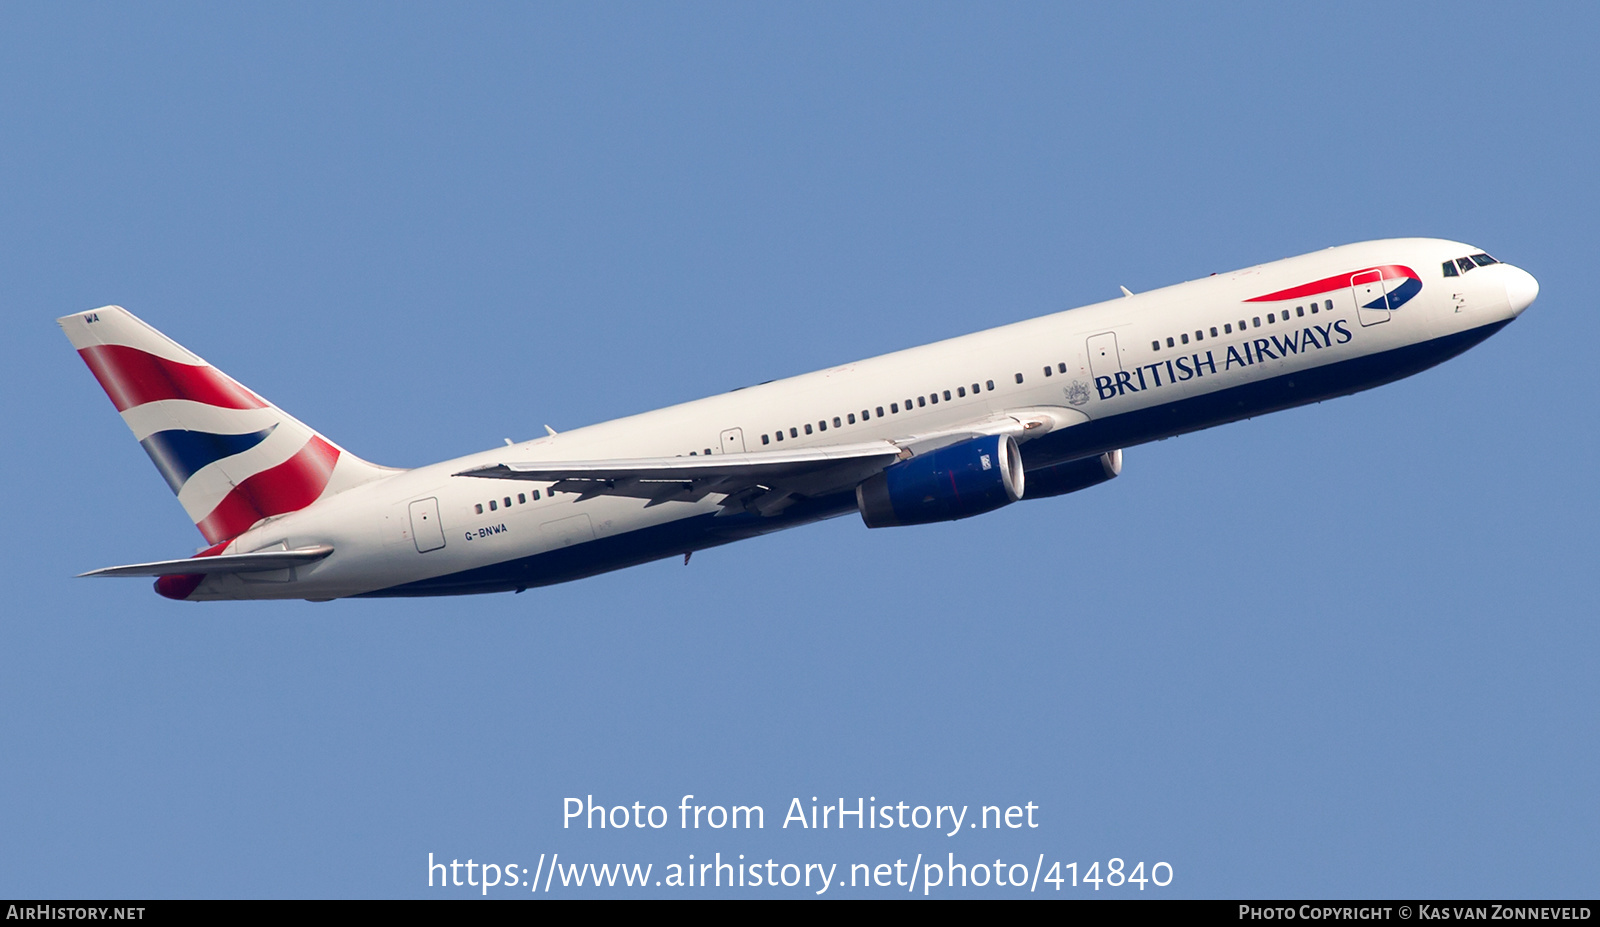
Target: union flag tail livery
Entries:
(1027, 411)
(231, 457)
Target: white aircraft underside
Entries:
(947, 430)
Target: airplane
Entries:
(1031, 410)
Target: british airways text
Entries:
(1179, 369)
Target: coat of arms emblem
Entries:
(1077, 393)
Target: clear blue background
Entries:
(1345, 650)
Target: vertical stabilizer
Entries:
(231, 457)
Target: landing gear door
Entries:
(1372, 301)
(733, 441)
(425, 527)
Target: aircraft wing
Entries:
(765, 482)
(224, 563)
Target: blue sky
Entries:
(1346, 650)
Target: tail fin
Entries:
(231, 457)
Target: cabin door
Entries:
(1372, 302)
(733, 441)
(1104, 359)
(425, 527)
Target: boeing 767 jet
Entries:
(935, 433)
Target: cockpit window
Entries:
(1465, 264)
(1450, 269)
(1483, 260)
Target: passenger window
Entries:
(1213, 331)
(1155, 345)
(1328, 305)
(880, 411)
(835, 423)
(478, 508)
(778, 434)
(1227, 329)
(1199, 336)
(1299, 311)
(1242, 326)
(1270, 319)
(933, 398)
(851, 418)
(823, 425)
(975, 390)
(536, 495)
(1061, 367)
(522, 498)
(795, 434)
(491, 505)
(894, 407)
(1019, 378)
(764, 440)
(946, 395)
(921, 403)
(990, 384)
(1185, 337)
(961, 391)
(1256, 319)
(1170, 342)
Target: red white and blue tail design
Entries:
(231, 457)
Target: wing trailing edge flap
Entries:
(223, 563)
(765, 482)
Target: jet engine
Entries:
(1060, 479)
(956, 481)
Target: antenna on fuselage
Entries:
(1125, 291)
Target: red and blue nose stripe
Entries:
(1408, 288)
(1400, 282)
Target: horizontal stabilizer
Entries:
(225, 563)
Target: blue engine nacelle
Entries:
(1060, 479)
(952, 482)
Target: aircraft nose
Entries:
(1521, 288)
